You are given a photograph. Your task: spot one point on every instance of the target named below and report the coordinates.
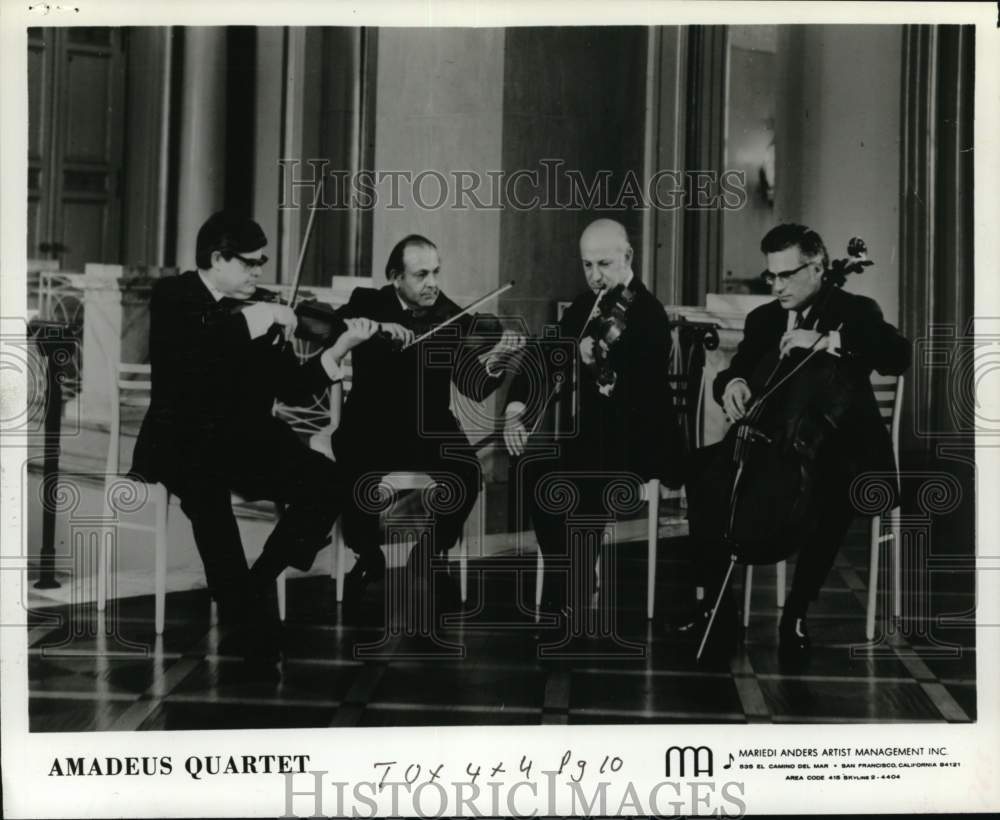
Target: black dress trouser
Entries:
(571, 499)
(450, 461)
(304, 484)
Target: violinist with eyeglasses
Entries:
(398, 415)
(220, 358)
(624, 427)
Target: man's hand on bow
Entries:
(808, 339)
(735, 398)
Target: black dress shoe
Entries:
(369, 569)
(260, 670)
(252, 645)
(793, 638)
(692, 622)
(447, 594)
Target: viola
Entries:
(608, 323)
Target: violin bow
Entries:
(305, 244)
(482, 300)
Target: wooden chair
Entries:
(889, 396)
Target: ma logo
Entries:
(696, 759)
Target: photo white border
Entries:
(26, 758)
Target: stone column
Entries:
(203, 136)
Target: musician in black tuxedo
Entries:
(398, 416)
(809, 312)
(624, 427)
(219, 360)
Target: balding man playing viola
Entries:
(624, 425)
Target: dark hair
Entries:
(790, 235)
(395, 263)
(229, 233)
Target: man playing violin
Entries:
(810, 313)
(625, 423)
(398, 414)
(219, 360)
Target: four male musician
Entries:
(398, 414)
(809, 312)
(220, 358)
(625, 426)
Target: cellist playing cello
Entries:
(812, 313)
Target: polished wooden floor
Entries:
(112, 673)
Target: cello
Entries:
(755, 493)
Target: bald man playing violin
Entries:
(624, 426)
(219, 360)
(398, 414)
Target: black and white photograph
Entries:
(450, 387)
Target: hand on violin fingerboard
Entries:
(357, 331)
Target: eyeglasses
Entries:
(770, 278)
(249, 262)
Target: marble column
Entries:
(203, 136)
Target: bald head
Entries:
(606, 254)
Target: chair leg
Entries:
(282, 596)
(876, 527)
(463, 566)
(105, 536)
(334, 541)
(781, 571)
(897, 564)
(652, 534)
(715, 609)
(160, 557)
(747, 589)
(338, 547)
(539, 578)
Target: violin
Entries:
(318, 322)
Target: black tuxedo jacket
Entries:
(868, 343)
(213, 387)
(634, 428)
(400, 398)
